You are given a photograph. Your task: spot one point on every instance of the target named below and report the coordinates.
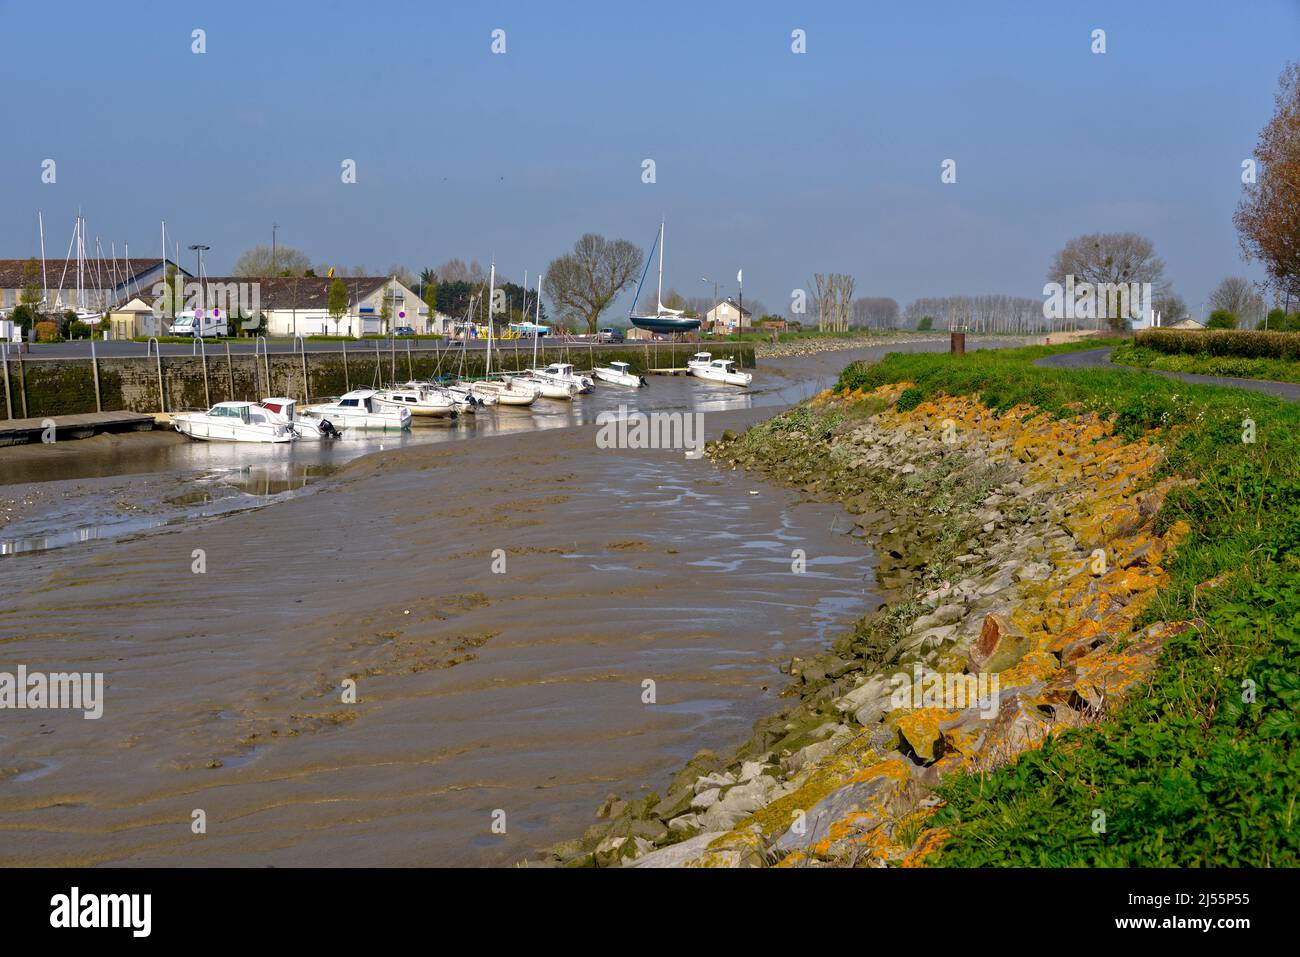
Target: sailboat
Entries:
(664, 321)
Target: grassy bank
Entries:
(1147, 708)
(1194, 772)
(1241, 367)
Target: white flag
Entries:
(740, 275)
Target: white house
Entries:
(725, 316)
(299, 305)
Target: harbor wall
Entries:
(37, 387)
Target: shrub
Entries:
(1245, 343)
(47, 331)
(909, 399)
(1221, 319)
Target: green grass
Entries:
(1277, 370)
(1187, 773)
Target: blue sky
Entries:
(784, 164)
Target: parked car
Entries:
(403, 331)
(609, 335)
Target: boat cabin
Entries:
(233, 410)
(723, 365)
(559, 369)
(358, 399)
(280, 406)
(619, 367)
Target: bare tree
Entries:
(1170, 306)
(1237, 296)
(875, 313)
(584, 282)
(1106, 258)
(834, 301)
(257, 262)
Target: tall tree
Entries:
(257, 262)
(1110, 258)
(1171, 307)
(1238, 297)
(1268, 217)
(338, 299)
(584, 282)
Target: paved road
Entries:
(1100, 359)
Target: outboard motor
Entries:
(327, 429)
(644, 384)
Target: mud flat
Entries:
(476, 692)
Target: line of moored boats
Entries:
(278, 419)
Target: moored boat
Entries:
(721, 370)
(617, 373)
(233, 422)
(284, 410)
(357, 410)
(424, 402)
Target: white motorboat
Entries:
(283, 410)
(430, 402)
(616, 373)
(699, 360)
(561, 373)
(233, 422)
(722, 370)
(357, 410)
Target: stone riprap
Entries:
(1020, 555)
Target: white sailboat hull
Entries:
(431, 408)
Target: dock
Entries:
(24, 431)
(669, 371)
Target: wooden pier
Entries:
(23, 431)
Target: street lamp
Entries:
(199, 249)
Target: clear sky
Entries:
(782, 163)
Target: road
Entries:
(113, 347)
(1100, 359)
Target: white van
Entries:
(205, 325)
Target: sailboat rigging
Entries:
(664, 320)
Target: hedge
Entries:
(1244, 343)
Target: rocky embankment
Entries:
(1020, 557)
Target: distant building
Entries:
(106, 282)
(299, 305)
(725, 315)
(1188, 323)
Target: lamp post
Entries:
(199, 249)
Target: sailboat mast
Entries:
(537, 320)
(492, 285)
(45, 283)
(661, 267)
